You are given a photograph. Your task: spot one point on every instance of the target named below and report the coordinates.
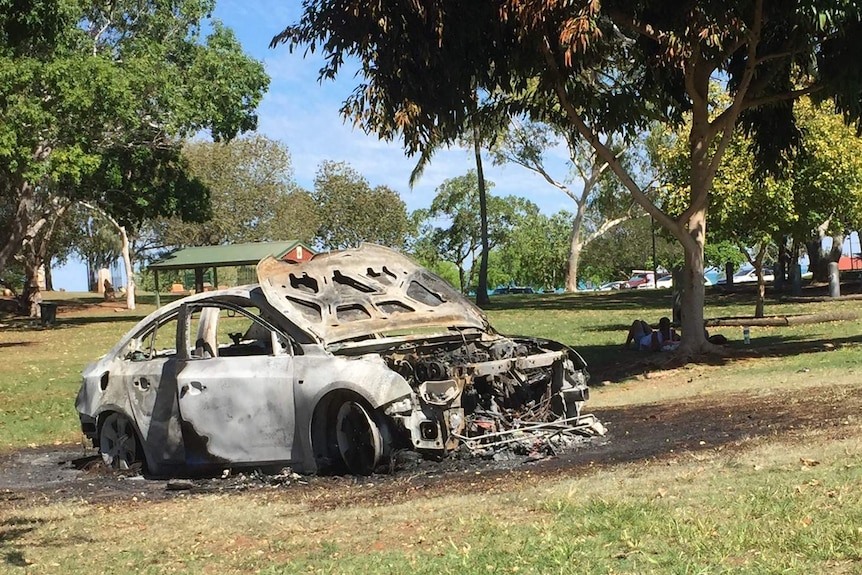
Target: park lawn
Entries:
(40, 368)
(787, 503)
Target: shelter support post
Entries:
(156, 277)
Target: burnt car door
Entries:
(147, 369)
(234, 386)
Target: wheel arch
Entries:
(103, 415)
(322, 425)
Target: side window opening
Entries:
(159, 340)
(227, 331)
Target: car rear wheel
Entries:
(118, 443)
(360, 442)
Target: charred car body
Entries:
(328, 365)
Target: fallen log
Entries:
(781, 320)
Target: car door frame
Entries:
(222, 423)
(150, 383)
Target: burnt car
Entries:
(331, 365)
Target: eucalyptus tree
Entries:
(603, 67)
(97, 97)
(252, 193)
(601, 202)
(536, 251)
(452, 225)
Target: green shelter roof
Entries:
(227, 255)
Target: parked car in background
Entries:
(610, 286)
(749, 275)
(505, 290)
(640, 279)
(664, 281)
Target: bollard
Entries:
(834, 281)
(746, 335)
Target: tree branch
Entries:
(603, 151)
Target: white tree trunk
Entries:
(575, 247)
(130, 272)
(127, 258)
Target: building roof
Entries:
(227, 255)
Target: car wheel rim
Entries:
(358, 438)
(117, 442)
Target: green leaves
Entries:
(95, 98)
(351, 212)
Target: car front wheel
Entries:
(118, 443)
(358, 437)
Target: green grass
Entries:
(761, 511)
(778, 504)
(40, 368)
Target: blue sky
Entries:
(304, 114)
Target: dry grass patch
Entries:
(792, 505)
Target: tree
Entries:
(536, 251)
(351, 212)
(600, 204)
(749, 209)
(820, 189)
(451, 227)
(96, 99)
(827, 183)
(252, 194)
(606, 67)
(628, 247)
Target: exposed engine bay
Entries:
(483, 391)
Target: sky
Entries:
(303, 113)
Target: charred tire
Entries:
(358, 438)
(118, 443)
(349, 436)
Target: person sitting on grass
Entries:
(646, 339)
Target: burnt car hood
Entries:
(357, 293)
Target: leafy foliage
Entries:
(450, 229)
(96, 97)
(351, 212)
(253, 195)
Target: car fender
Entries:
(366, 376)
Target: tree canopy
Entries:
(598, 67)
(95, 98)
(350, 211)
(253, 196)
(451, 228)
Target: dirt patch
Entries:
(637, 434)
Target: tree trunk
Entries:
(693, 297)
(482, 298)
(575, 247)
(49, 279)
(18, 226)
(834, 253)
(761, 292)
(780, 270)
(32, 296)
(130, 273)
(819, 258)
